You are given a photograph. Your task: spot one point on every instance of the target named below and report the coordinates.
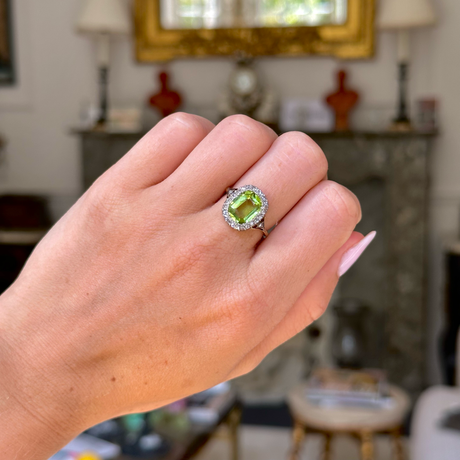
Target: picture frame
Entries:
(352, 40)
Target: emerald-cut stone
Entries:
(245, 207)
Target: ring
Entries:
(245, 208)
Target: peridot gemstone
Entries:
(245, 207)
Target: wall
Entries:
(57, 75)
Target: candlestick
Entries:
(402, 121)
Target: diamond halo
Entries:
(258, 217)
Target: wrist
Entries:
(39, 408)
(27, 432)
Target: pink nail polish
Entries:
(353, 254)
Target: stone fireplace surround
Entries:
(389, 174)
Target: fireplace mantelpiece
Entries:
(389, 173)
(395, 271)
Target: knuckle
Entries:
(242, 120)
(341, 202)
(314, 311)
(188, 254)
(103, 199)
(197, 257)
(232, 315)
(251, 363)
(254, 301)
(249, 124)
(193, 122)
(310, 313)
(301, 322)
(299, 143)
(181, 117)
(245, 307)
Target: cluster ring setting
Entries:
(245, 208)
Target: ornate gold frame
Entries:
(352, 40)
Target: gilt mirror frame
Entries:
(352, 40)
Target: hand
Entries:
(142, 294)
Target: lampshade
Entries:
(405, 14)
(104, 16)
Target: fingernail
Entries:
(353, 254)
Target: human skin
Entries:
(142, 294)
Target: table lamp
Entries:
(402, 16)
(102, 19)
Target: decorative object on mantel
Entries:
(402, 16)
(310, 115)
(102, 19)
(247, 95)
(342, 102)
(427, 116)
(124, 120)
(166, 101)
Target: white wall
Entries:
(57, 75)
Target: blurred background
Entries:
(375, 83)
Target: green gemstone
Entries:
(245, 207)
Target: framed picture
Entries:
(6, 45)
(167, 29)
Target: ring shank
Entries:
(261, 226)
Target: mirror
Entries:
(227, 14)
(167, 29)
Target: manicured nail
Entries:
(353, 254)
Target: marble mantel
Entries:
(389, 174)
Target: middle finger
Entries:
(231, 148)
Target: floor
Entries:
(260, 443)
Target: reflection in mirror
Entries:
(220, 14)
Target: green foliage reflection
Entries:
(258, 13)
